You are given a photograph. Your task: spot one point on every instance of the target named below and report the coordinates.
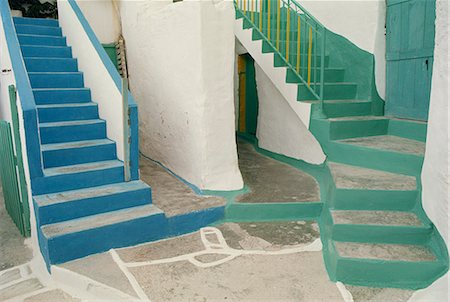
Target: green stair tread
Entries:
(60, 197)
(354, 177)
(357, 118)
(384, 218)
(385, 252)
(100, 165)
(388, 143)
(99, 220)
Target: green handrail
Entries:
(295, 35)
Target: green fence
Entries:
(12, 171)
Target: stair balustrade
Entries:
(293, 34)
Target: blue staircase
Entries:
(82, 203)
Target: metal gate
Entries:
(12, 171)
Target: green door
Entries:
(409, 54)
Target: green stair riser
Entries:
(343, 109)
(408, 129)
(381, 234)
(332, 75)
(384, 160)
(378, 273)
(348, 199)
(331, 91)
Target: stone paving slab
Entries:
(170, 194)
(272, 181)
(370, 294)
(55, 295)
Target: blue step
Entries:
(63, 206)
(80, 176)
(78, 152)
(51, 64)
(65, 241)
(62, 96)
(27, 29)
(36, 21)
(42, 51)
(61, 132)
(41, 40)
(56, 79)
(67, 112)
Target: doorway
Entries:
(410, 34)
(248, 96)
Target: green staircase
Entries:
(373, 227)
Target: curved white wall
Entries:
(362, 22)
(181, 74)
(435, 174)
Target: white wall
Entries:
(96, 77)
(435, 174)
(360, 21)
(102, 16)
(181, 75)
(279, 128)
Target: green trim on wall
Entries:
(359, 68)
(110, 49)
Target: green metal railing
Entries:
(294, 34)
(12, 171)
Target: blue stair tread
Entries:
(80, 168)
(67, 105)
(76, 144)
(53, 72)
(381, 218)
(71, 123)
(388, 143)
(98, 221)
(385, 252)
(40, 36)
(55, 198)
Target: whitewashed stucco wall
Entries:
(102, 17)
(279, 129)
(360, 21)
(435, 174)
(181, 75)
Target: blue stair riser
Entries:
(47, 51)
(68, 113)
(91, 206)
(36, 21)
(62, 134)
(381, 234)
(38, 30)
(74, 156)
(51, 65)
(61, 96)
(347, 199)
(75, 181)
(52, 80)
(77, 245)
(41, 40)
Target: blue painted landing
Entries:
(82, 204)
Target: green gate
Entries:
(12, 171)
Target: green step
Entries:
(349, 127)
(416, 130)
(331, 91)
(331, 75)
